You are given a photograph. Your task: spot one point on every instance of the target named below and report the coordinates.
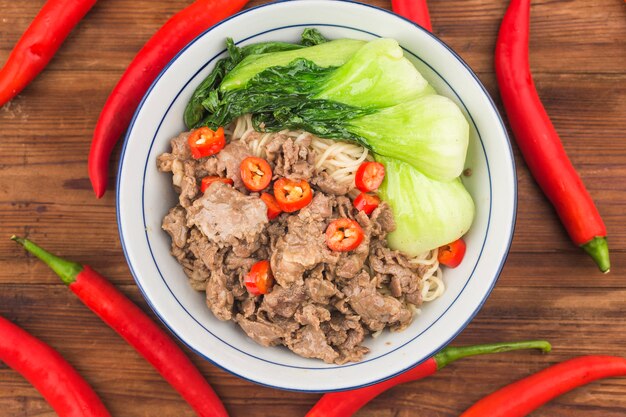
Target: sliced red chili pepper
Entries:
(343, 235)
(292, 195)
(369, 176)
(366, 202)
(273, 210)
(206, 142)
(260, 279)
(452, 254)
(207, 181)
(256, 173)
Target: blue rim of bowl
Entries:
(498, 270)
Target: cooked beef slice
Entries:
(313, 315)
(404, 276)
(319, 289)
(290, 159)
(175, 224)
(375, 309)
(219, 296)
(304, 245)
(264, 333)
(283, 301)
(230, 158)
(328, 185)
(310, 342)
(229, 218)
(345, 334)
(382, 221)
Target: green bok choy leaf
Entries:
(428, 213)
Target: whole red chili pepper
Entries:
(59, 383)
(121, 314)
(414, 10)
(39, 43)
(538, 140)
(118, 110)
(528, 394)
(346, 403)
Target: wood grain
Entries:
(548, 288)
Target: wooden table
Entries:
(548, 289)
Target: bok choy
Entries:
(428, 213)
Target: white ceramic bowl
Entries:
(144, 196)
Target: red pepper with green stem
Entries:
(39, 43)
(121, 314)
(346, 403)
(59, 383)
(538, 140)
(119, 108)
(522, 397)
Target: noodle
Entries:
(341, 161)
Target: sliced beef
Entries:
(328, 185)
(283, 301)
(345, 334)
(264, 333)
(198, 274)
(229, 218)
(404, 277)
(175, 224)
(290, 159)
(273, 147)
(319, 289)
(219, 296)
(313, 315)
(376, 310)
(345, 208)
(310, 342)
(230, 158)
(382, 221)
(304, 245)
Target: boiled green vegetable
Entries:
(428, 213)
(378, 75)
(428, 132)
(195, 112)
(329, 54)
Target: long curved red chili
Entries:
(39, 43)
(346, 403)
(118, 110)
(414, 10)
(59, 383)
(538, 140)
(528, 394)
(121, 314)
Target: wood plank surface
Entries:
(548, 288)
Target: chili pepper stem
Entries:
(451, 353)
(66, 270)
(598, 249)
